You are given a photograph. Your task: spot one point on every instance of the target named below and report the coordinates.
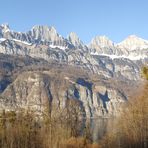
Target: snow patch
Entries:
(23, 42)
(60, 47)
(130, 57)
(2, 39)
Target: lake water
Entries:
(97, 128)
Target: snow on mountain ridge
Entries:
(2, 40)
(101, 44)
(59, 47)
(131, 41)
(22, 42)
(130, 57)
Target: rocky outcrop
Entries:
(101, 41)
(37, 90)
(133, 42)
(78, 44)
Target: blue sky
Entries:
(114, 18)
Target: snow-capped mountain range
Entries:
(99, 45)
(101, 54)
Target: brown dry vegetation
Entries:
(56, 129)
(132, 125)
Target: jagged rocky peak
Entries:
(133, 42)
(7, 33)
(44, 33)
(48, 34)
(74, 39)
(5, 28)
(101, 41)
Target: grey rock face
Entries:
(133, 42)
(101, 41)
(35, 90)
(133, 48)
(103, 58)
(74, 39)
(46, 34)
